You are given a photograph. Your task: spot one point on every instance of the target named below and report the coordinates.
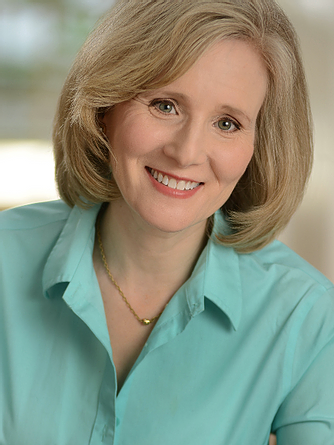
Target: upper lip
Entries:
(178, 178)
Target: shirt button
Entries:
(117, 421)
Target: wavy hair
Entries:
(141, 45)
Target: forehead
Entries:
(230, 73)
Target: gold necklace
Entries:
(144, 321)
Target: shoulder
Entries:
(283, 286)
(277, 261)
(29, 232)
(33, 216)
(283, 291)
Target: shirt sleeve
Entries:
(306, 415)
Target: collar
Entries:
(216, 275)
(69, 272)
(62, 263)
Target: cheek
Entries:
(133, 141)
(234, 163)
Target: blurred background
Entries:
(38, 43)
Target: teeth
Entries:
(172, 182)
(181, 185)
(165, 180)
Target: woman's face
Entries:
(181, 149)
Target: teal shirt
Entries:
(245, 346)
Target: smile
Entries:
(172, 182)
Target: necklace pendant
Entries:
(144, 321)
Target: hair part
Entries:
(142, 45)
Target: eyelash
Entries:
(237, 126)
(156, 102)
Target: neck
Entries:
(145, 260)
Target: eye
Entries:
(228, 125)
(164, 106)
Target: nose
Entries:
(187, 145)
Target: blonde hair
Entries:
(141, 45)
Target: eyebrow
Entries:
(235, 111)
(174, 94)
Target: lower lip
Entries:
(174, 193)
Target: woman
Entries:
(183, 145)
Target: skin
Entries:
(185, 139)
(200, 128)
